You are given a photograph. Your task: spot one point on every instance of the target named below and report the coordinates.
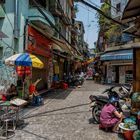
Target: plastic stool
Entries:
(5, 128)
(65, 86)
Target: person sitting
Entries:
(110, 117)
(36, 98)
(11, 92)
(32, 88)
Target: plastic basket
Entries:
(128, 134)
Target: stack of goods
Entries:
(135, 102)
(130, 123)
(136, 135)
(128, 127)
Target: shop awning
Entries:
(132, 9)
(60, 46)
(78, 57)
(117, 55)
(57, 47)
(131, 29)
(91, 60)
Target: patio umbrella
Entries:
(24, 59)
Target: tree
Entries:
(107, 28)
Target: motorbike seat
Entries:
(127, 87)
(102, 98)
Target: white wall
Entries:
(113, 10)
(11, 44)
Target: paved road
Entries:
(65, 116)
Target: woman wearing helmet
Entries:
(110, 117)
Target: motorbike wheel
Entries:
(96, 111)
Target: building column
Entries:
(136, 70)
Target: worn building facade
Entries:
(117, 55)
(43, 28)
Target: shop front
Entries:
(40, 46)
(118, 66)
(61, 59)
(61, 66)
(118, 72)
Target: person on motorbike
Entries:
(110, 117)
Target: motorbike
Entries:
(98, 102)
(125, 90)
(74, 80)
(79, 80)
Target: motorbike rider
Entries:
(110, 117)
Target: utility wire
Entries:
(10, 21)
(34, 14)
(52, 25)
(113, 7)
(108, 17)
(101, 12)
(84, 7)
(94, 4)
(88, 26)
(8, 18)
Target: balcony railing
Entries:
(35, 15)
(39, 21)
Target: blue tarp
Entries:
(118, 55)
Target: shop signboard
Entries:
(38, 43)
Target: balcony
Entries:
(55, 8)
(2, 13)
(39, 21)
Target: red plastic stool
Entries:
(64, 85)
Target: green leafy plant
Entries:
(106, 26)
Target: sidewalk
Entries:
(65, 116)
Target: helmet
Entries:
(113, 99)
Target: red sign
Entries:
(21, 70)
(37, 43)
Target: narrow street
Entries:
(65, 116)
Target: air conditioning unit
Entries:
(2, 1)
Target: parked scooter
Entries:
(74, 80)
(98, 102)
(79, 80)
(125, 90)
(68, 80)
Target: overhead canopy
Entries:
(132, 9)
(131, 29)
(60, 46)
(118, 55)
(78, 57)
(91, 60)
